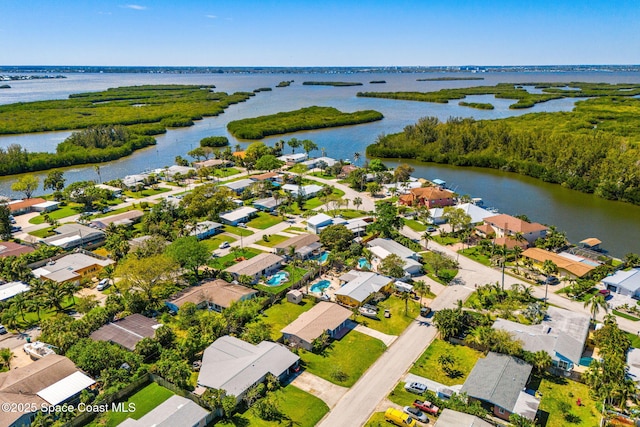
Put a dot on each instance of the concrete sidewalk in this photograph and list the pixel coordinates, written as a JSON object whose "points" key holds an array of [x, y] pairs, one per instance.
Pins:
{"points": [[386, 339]]}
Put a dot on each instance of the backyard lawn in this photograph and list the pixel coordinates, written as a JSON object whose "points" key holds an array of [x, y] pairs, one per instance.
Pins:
{"points": [[398, 321], [238, 231], [558, 406], [214, 243], [298, 408], [43, 232], [476, 255], [415, 225], [230, 259], [350, 213], [63, 212], [427, 365], [281, 314], [145, 400], [225, 172], [274, 239], [402, 397], [345, 360], [146, 193], [264, 220]]}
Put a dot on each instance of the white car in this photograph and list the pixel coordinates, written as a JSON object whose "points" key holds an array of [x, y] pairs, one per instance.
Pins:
{"points": [[103, 284], [416, 413], [224, 245]]}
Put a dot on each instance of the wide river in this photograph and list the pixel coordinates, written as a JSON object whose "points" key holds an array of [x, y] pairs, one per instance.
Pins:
{"points": [[579, 215]]}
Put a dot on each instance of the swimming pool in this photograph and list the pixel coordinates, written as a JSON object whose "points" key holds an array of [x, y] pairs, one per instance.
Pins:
{"points": [[322, 258], [364, 264], [320, 286], [278, 279]]}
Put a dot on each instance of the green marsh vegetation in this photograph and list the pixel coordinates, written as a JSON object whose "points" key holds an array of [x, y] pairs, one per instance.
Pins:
{"points": [[284, 83], [303, 119], [593, 149], [332, 83], [477, 105], [378, 81], [112, 123], [214, 141]]}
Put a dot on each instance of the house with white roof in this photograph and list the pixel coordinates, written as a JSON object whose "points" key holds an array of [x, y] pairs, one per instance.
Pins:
{"points": [[359, 286], [135, 180], [240, 185], [294, 158], [233, 366], [316, 223], [264, 264], [71, 267], [11, 289], [175, 411], [314, 163], [173, 170], [205, 229], [71, 235], [382, 248], [476, 213], [305, 191], [624, 282], [237, 216]]}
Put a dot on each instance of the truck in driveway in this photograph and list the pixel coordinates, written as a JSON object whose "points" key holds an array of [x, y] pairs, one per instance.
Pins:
{"points": [[426, 406]]}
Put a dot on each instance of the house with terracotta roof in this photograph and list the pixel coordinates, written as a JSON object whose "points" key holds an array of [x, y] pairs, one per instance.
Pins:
{"points": [[507, 225], [13, 249], [431, 197], [215, 294], [323, 317], [19, 207], [568, 265]]}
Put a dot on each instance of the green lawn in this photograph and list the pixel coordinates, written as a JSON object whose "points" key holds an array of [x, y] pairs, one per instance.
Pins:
{"points": [[298, 408], [64, 211], [625, 315], [116, 212], [314, 202], [415, 225], [214, 242], [401, 396], [145, 193], [281, 314], [350, 213], [635, 339], [556, 390], [476, 255], [43, 232], [230, 259], [445, 240], [427, 365], [31, 318], [145, 400], [295, 274], [299, 229], [238, 231], [225, 172], [274, 239], [398, 321], [344, 361], [264, 220], [377, 420], [323, 175]]}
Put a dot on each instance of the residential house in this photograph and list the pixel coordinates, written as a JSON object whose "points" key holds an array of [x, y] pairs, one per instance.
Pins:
{"points": [[240, 185], [568, 265], [346, 170], [205, 229], [211, 163], [268, 204], [431, 197], [11, 289], [175, 411], [14, 249], [315, 163], [72, 235], [507, 225], [562, 334], [359, 286], [304, 191], [264, 264], [19, 207], [316, 223], [624, 282], [136, 180], [500, 380], [476, 213], [323, 317], [125, 218], [170, 173], [53, 380], [115, 191], [237, 216], [451, 418], [303, 244], [267, 176], [294, 158], [591, 243], [71, 267], [46, 206], [128, 331], [233, 366], [633, 365], [401, 187], [382, 248], [485, 231], [215, 295]]}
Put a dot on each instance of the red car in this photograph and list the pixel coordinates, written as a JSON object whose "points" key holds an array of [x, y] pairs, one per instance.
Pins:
{"points": [[425, 406]]}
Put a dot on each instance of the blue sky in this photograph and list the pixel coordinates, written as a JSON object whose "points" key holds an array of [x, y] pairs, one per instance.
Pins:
{"points": [[318, 33]]}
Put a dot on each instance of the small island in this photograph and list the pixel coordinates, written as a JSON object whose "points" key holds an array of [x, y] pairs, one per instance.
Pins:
{"points": [[477, 105], [262, 89], [448, 79], [303, 119], [284, 83], [337, 84], [377, 82]]}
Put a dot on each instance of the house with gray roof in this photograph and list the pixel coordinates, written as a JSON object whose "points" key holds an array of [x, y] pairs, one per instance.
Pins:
{"points": [[237, 216], [128, 331], [316, 223], [175, 411], [303, 244], [204, 229], [69, 236], [304, 191], [451, 418], [562, 334], [240, 185], [624, 282], [268, 204], [264, 264], [233, 366], [500, 380], [360, 286]]}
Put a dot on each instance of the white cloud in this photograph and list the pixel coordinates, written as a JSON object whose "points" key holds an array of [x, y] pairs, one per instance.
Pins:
{"points": [[134, 7], [211, 16]]}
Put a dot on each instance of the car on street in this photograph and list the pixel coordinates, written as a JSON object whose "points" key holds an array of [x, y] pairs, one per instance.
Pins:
{"points": [[103, 284], [224, 245], [3, 330], [415, 387], [425, 311], [431, 229], [416, 413], [552, 280]]}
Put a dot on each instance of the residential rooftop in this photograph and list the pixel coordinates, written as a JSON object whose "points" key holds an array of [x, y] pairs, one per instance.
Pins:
{"points": [[217, 291], [322, 317], [255, 265], [127, 332]]}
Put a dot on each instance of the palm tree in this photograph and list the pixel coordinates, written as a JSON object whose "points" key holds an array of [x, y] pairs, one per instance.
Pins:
{"points": [[517, 251], [69, 289], [596, 303], [6, 355], [404, 296], [54, 296], [19, 302], [34, 303], [357, 202], [426, 236], [548, 268], [356, 157], [422, 288]]}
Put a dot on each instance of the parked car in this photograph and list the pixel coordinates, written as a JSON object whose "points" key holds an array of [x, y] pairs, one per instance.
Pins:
{"points": [[604, 292], [398, 418], [416, 413], [224, 245], [425, 311], [3, 330], [426, 406], [431, 229], [103, 284], [415, 387], [242, 225], [552, 280], [15, 228]]}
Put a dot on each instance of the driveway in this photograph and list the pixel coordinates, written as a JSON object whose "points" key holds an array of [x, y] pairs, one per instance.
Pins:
{"points": [[328, 392]]}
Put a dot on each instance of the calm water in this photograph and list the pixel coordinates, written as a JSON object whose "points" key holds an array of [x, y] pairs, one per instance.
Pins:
{"points": [[617, 224]]}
